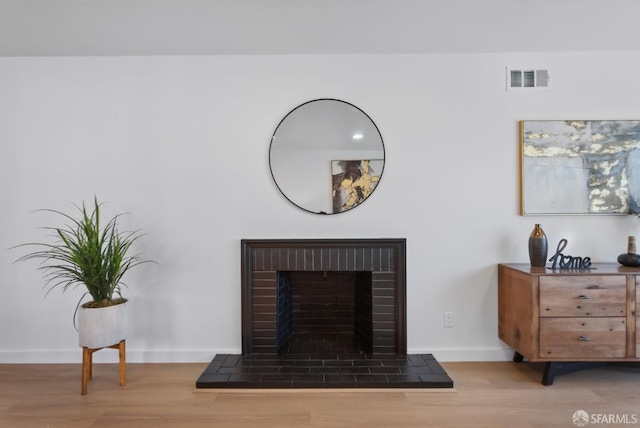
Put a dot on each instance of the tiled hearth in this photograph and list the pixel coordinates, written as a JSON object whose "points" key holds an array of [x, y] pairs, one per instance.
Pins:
{"points": [[324, 314], [346, 371]]}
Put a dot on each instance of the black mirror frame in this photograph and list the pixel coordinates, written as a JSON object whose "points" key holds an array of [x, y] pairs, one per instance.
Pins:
{"points": [[384, 154]]}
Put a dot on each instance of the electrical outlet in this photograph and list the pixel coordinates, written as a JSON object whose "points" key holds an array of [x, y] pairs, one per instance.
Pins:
{"points": [[448, 319]]}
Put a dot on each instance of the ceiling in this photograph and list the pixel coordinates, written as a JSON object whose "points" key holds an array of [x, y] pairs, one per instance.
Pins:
{"points": [[218, 27]]}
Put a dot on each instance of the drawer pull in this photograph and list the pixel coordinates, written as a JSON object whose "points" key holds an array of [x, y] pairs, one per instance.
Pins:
{"points": [[583, 297], [584, 339], [594, 287]]}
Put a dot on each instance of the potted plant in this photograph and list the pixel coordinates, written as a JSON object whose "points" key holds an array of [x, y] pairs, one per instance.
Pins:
{"points": [[88, 253]]}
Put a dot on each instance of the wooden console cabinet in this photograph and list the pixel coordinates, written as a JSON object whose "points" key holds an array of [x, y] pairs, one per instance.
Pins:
{"points": [[570, 318]]}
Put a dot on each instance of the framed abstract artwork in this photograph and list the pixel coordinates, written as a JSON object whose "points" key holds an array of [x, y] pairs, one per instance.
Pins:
{"points": [[580, 167], [353, 181]]}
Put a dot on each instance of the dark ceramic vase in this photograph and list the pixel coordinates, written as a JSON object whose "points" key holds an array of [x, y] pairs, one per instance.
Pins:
{"points": [[538, 247], [630, 258]]}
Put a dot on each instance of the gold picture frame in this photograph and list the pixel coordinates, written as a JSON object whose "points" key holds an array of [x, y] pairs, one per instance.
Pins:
{"points": [[579, 167]]}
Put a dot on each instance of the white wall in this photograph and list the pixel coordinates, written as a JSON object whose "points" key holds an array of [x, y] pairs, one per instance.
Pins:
{"points": [[182, 144]]}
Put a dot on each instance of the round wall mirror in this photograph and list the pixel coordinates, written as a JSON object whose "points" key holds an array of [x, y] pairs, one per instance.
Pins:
{"points": [[326, 156]]}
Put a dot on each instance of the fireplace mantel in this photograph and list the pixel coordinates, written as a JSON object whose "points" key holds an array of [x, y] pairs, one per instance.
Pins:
{"points": [[262, 259]]}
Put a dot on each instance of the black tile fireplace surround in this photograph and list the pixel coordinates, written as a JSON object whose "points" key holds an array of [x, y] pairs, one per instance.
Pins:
{"points": [[324, 313], [266, 265]]}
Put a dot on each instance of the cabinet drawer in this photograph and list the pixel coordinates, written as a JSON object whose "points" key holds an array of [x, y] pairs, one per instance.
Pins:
{"points": [[638, 337], [583, 337], [576, 296]]}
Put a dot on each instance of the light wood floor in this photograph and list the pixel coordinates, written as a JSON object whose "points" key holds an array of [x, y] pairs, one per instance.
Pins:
{"points": [[500, 394]]}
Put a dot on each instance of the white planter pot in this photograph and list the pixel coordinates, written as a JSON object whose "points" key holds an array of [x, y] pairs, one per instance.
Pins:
{"points": [[102, 327]]}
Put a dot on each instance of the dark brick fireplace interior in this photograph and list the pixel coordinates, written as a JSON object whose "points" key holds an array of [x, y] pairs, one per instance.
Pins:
{"points": [[323, 314]]}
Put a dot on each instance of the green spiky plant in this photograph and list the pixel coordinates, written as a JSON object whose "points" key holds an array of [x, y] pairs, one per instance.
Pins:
{"points": [[85, 253]]}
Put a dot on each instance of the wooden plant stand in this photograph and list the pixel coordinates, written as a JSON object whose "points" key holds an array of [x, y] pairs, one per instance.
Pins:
{"points": [[87, 364]]}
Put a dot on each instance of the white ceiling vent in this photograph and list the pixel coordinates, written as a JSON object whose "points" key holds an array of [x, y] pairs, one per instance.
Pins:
{"points": [[526, 79]]}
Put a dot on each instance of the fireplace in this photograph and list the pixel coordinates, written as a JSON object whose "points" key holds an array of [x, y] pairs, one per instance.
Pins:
{"points": [[324, 287], [335, 287]]}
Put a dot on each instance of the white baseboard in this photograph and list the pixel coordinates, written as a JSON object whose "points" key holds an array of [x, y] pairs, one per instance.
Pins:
{"points": [[465, 354], [73, 356], [111, 356]]}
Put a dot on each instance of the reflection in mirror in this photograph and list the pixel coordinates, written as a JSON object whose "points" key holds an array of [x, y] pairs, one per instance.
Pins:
{"points": [[326, 156]]}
